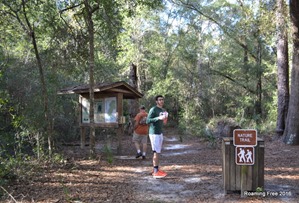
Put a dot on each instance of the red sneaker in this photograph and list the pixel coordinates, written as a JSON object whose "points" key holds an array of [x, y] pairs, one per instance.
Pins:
{"points": [[163, 172], [159, 174]]}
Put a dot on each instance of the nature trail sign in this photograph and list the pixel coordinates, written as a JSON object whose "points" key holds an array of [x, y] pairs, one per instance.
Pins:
{"points": [[245, 140], [245, 137]]}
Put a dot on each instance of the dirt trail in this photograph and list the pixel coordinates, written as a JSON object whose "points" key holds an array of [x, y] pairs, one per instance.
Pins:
{"points": [[193, 167]]}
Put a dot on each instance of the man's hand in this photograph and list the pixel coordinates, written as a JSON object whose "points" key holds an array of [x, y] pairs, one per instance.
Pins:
{"points": [[161, 117]]}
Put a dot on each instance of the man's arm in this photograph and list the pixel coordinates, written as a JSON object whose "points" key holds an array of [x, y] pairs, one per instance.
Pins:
{"points": [[152, 117]]}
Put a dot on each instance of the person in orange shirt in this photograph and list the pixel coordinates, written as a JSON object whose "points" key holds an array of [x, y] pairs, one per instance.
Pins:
{"points": [[140, 133]]}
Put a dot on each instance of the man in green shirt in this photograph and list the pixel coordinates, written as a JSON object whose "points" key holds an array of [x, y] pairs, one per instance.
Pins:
{"points": [[157, 117]]}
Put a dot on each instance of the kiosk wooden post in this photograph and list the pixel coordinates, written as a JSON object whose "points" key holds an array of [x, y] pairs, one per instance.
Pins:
{"points": [[82, 136], [120, 124]]}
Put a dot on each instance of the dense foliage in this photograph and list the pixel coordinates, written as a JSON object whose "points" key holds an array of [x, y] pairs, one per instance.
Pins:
{"points": [[212, 60]]}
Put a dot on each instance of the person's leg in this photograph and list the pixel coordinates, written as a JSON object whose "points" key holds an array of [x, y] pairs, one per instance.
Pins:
{"points": [[156, 162], [153, 140], [156, 142], [139, 154], [136, 140], [144, 146], [157, 173], [137, 145]]}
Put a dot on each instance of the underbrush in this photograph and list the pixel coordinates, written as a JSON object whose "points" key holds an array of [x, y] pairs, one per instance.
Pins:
{"points": [[23, 168], [15, 169], [218, 127]]}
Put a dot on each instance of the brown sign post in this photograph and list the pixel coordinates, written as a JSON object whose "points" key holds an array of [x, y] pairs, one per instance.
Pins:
{"points": [[243, 161], [244, 140]]}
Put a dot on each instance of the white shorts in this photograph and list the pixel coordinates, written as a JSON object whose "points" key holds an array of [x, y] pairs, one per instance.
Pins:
{"points": [[156, 142]]}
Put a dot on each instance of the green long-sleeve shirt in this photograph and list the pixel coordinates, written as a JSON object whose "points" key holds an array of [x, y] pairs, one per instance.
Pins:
{"points": [[156, 125]]}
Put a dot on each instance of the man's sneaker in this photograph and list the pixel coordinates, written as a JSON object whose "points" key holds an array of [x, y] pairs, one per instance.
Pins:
{"points": [[138, 155], [162, 171], [143, 157], [152, 173], [159, 174]]}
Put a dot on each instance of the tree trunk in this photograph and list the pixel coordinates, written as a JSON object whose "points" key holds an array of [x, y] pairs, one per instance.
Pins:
{"points": [[258, 102], [45, 95], [292, 128], [133, 109], [31, 34], [134, 83], [90, 28], [282, 68]]}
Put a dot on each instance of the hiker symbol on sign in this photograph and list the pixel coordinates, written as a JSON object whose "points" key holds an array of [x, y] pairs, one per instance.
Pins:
{"points": [[244, 155]]}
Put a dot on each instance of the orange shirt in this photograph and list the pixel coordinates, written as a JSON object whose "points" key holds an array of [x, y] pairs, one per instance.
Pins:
{"points": [[140, 129]]}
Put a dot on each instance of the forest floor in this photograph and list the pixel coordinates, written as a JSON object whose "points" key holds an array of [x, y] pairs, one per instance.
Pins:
{"points": [[194, 175]]}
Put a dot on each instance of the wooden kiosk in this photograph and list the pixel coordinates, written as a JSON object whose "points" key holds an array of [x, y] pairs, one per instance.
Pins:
{"points": [[108, 105]]}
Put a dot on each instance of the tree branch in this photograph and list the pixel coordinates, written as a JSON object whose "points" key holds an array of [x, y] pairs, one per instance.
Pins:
{"points": [[8, 194], [30, 31], [70, 8], [216, 72], [223, 28], [14, 13]]}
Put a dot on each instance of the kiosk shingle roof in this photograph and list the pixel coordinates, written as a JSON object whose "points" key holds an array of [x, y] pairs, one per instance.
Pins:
{"points": [[128, 91]]}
